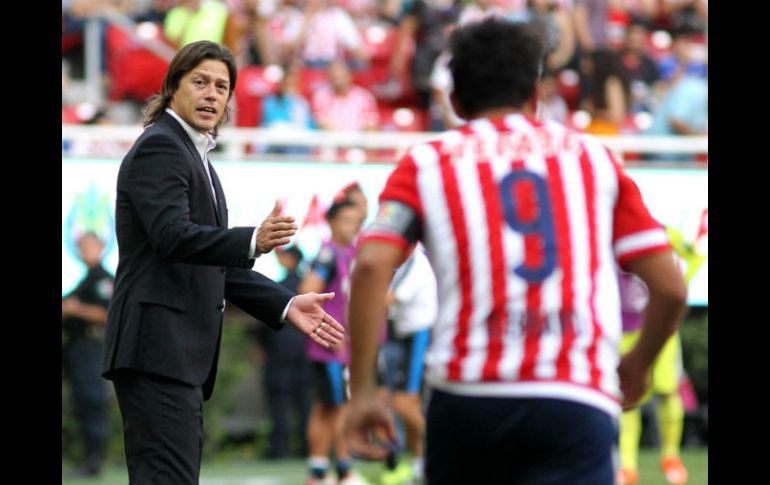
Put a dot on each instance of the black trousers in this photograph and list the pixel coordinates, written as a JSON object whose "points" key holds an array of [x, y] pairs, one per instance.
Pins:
{"points": [[82, 361], [288, 385], [162, 428], [517, 441]]}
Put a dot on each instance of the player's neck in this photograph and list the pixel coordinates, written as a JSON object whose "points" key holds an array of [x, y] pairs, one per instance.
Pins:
{"points": [[499, 112]]}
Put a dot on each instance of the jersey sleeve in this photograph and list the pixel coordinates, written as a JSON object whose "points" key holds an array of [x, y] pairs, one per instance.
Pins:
{"points": [[399, 218], [635, 232]]}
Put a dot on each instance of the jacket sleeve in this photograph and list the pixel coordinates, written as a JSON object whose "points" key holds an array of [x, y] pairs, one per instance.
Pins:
{"points": [[159, 188], [257, 295]]}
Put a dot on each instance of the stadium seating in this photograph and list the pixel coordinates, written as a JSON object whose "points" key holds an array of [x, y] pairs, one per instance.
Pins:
{"points": [[136, 72]]}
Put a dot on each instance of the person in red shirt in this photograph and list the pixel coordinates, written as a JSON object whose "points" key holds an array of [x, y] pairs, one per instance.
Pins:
{"points": [[524, 223], [344, 106]]}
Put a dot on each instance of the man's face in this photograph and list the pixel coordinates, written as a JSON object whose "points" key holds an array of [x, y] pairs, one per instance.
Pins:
{"points": [[683, 48], [635, 40], [359, 199], [201, 97], [339, 76], [346, 224], [90, 250]]}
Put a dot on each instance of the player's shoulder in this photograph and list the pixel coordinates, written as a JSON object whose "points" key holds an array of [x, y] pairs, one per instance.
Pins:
{"points": [[593, 146], [326, 254], [431, 147], [563, 130]]}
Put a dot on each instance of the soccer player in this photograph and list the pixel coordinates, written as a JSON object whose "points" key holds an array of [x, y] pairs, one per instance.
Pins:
{"points": [[330, 270], [523, 224], [667, 374]]}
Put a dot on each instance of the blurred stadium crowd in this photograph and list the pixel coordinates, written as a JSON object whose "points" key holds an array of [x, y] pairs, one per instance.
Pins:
{"points": [[613, 67]]}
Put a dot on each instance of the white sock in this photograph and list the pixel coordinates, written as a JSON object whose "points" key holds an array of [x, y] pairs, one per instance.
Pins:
{"points": [[418, 467], [319, 463]]}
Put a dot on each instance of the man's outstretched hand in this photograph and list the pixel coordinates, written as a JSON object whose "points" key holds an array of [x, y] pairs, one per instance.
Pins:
{"points": [[306, 314], [275, 230]]}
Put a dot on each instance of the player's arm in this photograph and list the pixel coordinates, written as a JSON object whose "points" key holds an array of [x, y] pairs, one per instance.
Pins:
{"points": [[375, 264], [668, 296], [383, 247], [642, 247], [320, 274], [73, 307]]}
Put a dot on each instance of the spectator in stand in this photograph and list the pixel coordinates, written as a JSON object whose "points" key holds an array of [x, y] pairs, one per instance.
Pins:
{"points": [[606, 92], [245, 31], [151, 10], [390, 11], [277, 20], [677, 12], [327, 33], [427, 24], [343, 106], [551, 106], [360, 11], [636, 9], [478, 10], [193, 20], [683, 111], [554, 19], [591, 17], [641, 69], [443, 116], [287, 110], [686, 56]]}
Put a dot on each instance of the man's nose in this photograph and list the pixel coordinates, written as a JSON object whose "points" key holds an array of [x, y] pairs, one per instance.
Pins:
{"points": [[212, 93]]}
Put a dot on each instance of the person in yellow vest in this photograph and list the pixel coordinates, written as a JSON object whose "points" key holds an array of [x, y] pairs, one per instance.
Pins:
{"points": [[667, 373]]}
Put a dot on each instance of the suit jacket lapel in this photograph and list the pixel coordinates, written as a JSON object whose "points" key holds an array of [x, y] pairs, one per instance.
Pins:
{"points": [[197, 162], [221, 204]]}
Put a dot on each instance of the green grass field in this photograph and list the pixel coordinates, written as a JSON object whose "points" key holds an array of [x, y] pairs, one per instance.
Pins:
{"points": [[292, 472]]}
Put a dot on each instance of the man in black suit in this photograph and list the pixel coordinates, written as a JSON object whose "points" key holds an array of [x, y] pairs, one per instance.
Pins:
{"points": [[178, 264]]}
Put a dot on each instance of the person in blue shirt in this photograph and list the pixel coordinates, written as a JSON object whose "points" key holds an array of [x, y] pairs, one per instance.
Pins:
{"points": [[287, 110]]}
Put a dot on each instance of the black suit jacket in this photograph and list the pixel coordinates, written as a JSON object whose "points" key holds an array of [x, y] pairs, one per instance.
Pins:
{"points": [[178, 261]]}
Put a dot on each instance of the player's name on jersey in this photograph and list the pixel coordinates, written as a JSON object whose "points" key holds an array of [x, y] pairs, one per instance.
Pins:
{"points": [[513, 146], [533, 323]]}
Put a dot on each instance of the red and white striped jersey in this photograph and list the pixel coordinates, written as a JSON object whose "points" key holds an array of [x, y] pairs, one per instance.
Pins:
{"points": [[523, 223], [354, 111], [329, 33]]}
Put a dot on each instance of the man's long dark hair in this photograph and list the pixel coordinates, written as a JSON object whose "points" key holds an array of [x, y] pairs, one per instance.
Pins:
{"points": [[183, 62], [495, 63]]}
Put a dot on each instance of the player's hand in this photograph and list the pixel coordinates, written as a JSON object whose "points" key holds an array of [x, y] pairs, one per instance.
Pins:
{"points": [[634, 380], [275, 230], [306, 314], [368, 428]]}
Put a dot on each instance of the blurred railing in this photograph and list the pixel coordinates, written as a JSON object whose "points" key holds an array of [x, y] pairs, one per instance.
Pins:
{"points": [[353, 147]]}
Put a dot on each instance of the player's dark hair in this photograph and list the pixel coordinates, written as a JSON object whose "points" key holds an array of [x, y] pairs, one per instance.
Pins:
{"points": [[495, 63], [336, 207]]}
